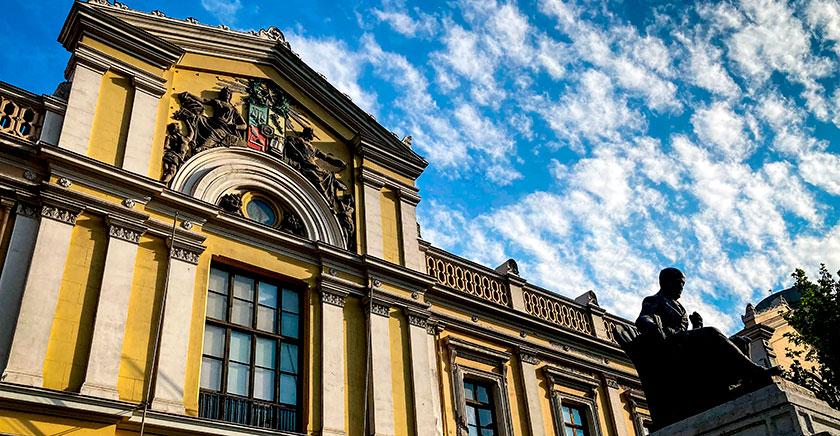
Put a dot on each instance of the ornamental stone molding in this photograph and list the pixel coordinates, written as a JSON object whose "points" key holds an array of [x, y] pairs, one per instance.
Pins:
{"points": [[380, 308], [125, 233], [185, 255], [59, 214], [529, 358], [611, 382], [332, 297], [418, 320], [26, 209]]}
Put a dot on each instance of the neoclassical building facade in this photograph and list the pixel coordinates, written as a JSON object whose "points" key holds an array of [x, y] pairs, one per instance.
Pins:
{"points": [[200, 235]]}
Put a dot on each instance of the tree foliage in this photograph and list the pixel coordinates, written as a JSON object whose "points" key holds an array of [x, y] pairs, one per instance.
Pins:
{"points": [[817, 325]]}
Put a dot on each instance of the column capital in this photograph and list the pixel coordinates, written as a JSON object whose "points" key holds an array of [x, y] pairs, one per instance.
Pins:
{"points": [[187, 252], [418, 320], [528, 356], [333, 296], [62, 214], [125, 230], [27, 209], [379, 307]]}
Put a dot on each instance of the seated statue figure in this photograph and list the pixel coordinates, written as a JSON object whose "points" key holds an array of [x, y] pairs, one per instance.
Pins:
{"points": [[685, 371]]}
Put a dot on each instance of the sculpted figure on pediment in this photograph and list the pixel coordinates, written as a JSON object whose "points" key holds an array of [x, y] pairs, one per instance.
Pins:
{"points": [[318, 167], [225, 127]]}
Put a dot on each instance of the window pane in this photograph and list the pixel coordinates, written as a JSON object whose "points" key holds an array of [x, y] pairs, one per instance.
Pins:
{"points": [[567, 418], [468, 391], [485, 417], [471, 415], [266, 319], [264, 384], [216, 305], [289, 323], [289, 358], [576, 416], [214, 341], [579, 432], [243, 287], [288, 389], [268, 295], [290, 301], [240, 347], [473, 431], [481, 394], [266, 349], [211, 373], [218, 281], [242, 312], [487, 432], [238, 379], [570, 431]]}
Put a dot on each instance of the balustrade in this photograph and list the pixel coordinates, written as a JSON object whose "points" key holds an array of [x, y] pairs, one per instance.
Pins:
{"points": [[20, 117], [468, 280]]}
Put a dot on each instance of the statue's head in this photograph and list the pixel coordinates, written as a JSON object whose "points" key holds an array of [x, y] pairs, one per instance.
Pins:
{"points": [[308, 134], [671, 282], [224, 94]]}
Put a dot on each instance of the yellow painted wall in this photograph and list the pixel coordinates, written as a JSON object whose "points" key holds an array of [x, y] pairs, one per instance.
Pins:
{"points": [[115, 53], [72, 329], [28, 424], [113, 114], [356, 365], [401, 374], [389, 203], [143, 308]]}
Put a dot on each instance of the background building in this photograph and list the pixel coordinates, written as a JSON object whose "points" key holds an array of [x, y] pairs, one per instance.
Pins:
{"points": [[199, 222]]}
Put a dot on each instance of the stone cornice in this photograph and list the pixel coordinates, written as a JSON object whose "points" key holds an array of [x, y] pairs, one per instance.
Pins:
{"points": [[87, 19]]}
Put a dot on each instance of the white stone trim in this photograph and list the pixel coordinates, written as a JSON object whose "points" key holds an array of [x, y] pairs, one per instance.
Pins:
{"points": [[175, 338], [616, 407], [373, 221], [412, 255], [213, 173], [531, 385], [13, 279], [424, 405], [382, 395], [38, 304], [333, 352], [433, 375], [81, 108], [111, 314], [141, 129]]}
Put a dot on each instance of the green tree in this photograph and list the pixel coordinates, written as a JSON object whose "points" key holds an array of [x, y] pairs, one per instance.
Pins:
{"points": [[817, 324]]}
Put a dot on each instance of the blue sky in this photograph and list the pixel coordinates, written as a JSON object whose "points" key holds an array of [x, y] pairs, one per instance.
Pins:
{"points": [[594, 142]]}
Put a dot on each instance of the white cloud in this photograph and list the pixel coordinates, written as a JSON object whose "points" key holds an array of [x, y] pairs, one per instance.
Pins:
{"points": [[822, 170], [719, 127], [224, 10], [402, 22], [706, 70]]}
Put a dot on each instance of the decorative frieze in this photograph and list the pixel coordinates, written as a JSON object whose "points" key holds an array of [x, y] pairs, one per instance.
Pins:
{"points": [[333, 298], [380, 308], [417, 320], [124, 233], [26, 209], [612, 383], [529, 358], [185, 255], [59, 214]]}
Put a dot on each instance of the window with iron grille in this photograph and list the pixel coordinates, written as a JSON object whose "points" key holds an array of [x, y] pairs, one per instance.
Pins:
{"points": [[251, 360]]}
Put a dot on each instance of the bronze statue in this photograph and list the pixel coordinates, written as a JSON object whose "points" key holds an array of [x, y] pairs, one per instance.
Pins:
{"points": [[176, 150], [231, 203], [685, 371], [307, 159]]}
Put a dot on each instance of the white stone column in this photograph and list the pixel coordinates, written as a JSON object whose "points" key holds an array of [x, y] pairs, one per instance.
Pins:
{"points": [[373, 219], [381, 395], [408, 218], [15, 267], [141, 129], [40, 296], [112, 310], [333, 352], [434, 377], [53, 119], [616, 407], [424, 412], [81, 107], [175, 332], [528, 365]]}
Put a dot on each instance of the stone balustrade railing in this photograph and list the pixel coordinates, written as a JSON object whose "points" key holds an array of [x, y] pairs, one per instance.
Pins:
{"points": [[482, 283], [461, 276], [21, 113]]}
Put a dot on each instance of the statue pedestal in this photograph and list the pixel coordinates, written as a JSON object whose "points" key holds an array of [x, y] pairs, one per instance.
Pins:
{"points": [[782, 408]]}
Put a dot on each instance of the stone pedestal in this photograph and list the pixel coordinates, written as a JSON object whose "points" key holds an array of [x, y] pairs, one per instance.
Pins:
{"points": [[782, 408]]}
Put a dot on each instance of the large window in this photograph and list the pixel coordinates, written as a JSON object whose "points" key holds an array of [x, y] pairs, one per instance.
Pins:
{"points": [[574, 421], [251, 360], [479, 409]]}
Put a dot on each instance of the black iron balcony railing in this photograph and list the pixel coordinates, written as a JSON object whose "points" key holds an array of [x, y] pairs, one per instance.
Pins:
{"points": [[238, 410]]}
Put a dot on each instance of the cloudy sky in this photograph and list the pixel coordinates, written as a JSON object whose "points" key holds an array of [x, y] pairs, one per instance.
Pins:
{"points": [[593, 142]]}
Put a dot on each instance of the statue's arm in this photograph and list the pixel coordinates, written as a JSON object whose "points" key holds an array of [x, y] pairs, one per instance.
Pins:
{"points": [[648, 323]]}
